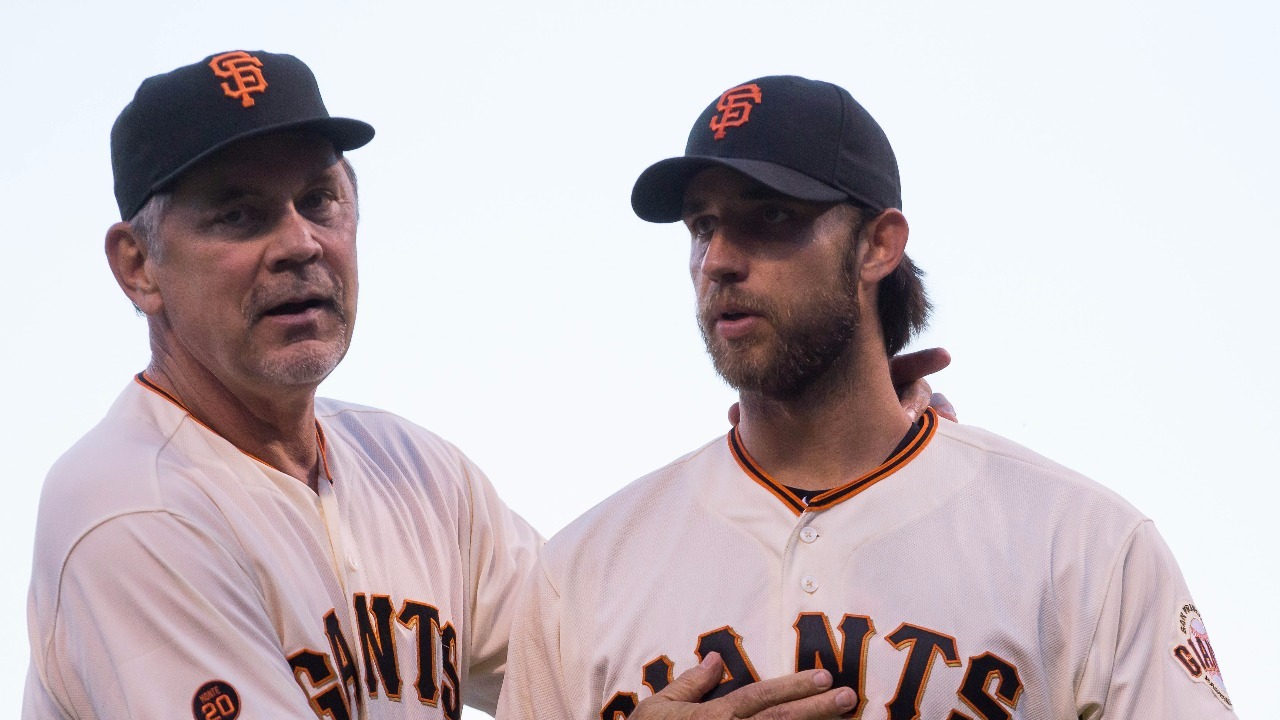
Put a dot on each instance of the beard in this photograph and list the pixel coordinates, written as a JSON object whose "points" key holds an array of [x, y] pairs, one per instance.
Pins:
{"points": [[808, 338]]}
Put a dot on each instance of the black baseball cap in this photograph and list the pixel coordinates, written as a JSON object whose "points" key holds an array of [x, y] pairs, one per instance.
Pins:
{"points": [[181, 117], [806, 139]]}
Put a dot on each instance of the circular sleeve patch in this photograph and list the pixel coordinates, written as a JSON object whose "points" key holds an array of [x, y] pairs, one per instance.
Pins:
{"points": [[215, 700]]}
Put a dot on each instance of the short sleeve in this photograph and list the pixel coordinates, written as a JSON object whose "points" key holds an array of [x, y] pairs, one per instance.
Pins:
{"points": [[1150, 656], [155, 618], [536, 686], [503, 550]]}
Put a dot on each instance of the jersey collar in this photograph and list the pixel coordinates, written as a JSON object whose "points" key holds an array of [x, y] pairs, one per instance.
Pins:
{"points": [[905, 453], [323, 446]]}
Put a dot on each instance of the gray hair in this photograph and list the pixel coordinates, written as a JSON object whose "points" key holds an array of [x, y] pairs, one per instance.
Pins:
{"points": [[146, 222]]}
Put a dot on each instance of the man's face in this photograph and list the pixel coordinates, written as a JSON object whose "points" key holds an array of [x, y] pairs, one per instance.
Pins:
{"points": [[257, 272], [775, 281]]}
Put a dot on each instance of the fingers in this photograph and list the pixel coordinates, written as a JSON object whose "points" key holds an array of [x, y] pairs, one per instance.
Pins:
{"points": [[915, 398], [943, 406], [695, 682], [827, 706], [906, 369], [803, 696]]}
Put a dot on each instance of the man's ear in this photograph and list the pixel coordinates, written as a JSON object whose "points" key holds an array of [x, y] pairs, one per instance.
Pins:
{"points": [[134, 270], [884, 242]]}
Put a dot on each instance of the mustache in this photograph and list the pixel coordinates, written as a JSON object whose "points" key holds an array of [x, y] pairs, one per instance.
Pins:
{"points": [[313, 286], [713, 304]]}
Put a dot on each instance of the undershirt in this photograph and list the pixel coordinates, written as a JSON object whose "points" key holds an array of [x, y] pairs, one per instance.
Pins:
{"points": [[806, 495]]}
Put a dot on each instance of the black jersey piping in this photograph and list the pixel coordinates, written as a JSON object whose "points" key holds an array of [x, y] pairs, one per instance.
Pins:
{"points": [[911, 446]]}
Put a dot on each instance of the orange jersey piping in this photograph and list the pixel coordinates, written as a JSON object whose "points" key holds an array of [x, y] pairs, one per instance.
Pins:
{"points": [[827, 498], [142, 379]]}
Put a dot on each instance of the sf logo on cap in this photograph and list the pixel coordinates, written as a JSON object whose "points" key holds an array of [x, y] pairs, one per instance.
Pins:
{"points": [[735, 107], [244, 71]]}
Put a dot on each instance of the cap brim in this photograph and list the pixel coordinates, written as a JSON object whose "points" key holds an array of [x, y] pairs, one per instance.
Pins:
{"points": [[658, 195], [344, 133]]}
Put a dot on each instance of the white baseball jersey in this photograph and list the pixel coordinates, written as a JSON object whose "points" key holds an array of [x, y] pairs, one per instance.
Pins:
{"points": [[965, 578], [176, 576]]}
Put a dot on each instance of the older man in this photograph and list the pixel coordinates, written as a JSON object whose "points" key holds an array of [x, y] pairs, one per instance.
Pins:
{"points": [[935, 570], [223, 544]]}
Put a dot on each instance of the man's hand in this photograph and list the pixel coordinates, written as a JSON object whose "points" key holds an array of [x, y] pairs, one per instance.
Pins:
{"points": [[908, 373], [805, 695]]}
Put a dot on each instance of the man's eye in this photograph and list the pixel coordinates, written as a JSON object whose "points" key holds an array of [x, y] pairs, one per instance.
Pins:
{"points": [[775, 215], [314, 200], [703, 226], [233, 217]]}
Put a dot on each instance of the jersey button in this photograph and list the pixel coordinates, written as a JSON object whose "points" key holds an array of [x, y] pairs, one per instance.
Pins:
{"points": [[351, 562], [808, 535], [809, 583]]}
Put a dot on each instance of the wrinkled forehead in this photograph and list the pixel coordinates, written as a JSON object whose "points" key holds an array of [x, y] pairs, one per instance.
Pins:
{"points": [[277, 161]]}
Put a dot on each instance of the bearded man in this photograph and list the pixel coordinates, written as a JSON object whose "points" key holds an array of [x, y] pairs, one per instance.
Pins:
{"points": [[224, 544], [919, 568]]}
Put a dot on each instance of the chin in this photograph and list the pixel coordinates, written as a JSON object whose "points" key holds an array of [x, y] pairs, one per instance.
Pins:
{"points": [[302, 367], [770, 371], [744, 371]]}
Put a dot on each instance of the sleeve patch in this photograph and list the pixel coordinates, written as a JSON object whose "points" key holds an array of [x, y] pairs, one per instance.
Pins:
{"points": [[215, 700], [1193, 653]]}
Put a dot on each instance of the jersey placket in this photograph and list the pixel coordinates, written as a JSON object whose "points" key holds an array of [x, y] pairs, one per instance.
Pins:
{"points": [[805, 567], [342, 547], [802, 584], [340, 544]]}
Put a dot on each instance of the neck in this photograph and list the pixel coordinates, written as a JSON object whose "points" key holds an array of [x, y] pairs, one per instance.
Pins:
{"points": [[839, 428], [278, 429]]}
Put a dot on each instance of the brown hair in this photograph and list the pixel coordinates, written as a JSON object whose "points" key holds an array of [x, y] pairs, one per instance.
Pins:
{"points": [[901, 301], [903, 305]]}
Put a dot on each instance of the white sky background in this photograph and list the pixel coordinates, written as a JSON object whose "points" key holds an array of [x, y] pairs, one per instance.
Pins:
{"points": [[1091, 187]]}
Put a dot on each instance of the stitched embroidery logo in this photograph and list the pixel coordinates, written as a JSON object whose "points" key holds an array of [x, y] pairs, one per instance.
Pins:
{"points": [[1194, 653], [244, 73], [735, 108], [215, 700]]}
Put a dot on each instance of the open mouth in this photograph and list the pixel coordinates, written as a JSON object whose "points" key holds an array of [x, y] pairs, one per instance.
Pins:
{"points": [[298, 307], [732, 315]]}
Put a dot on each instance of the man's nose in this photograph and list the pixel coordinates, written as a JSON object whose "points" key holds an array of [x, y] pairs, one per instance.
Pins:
{"points": [[294, 242], [723, 259]]}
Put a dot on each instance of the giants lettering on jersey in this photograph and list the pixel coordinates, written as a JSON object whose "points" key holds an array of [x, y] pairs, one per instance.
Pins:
{"points": [[1195, 654], [333, 679], [989, 690]]}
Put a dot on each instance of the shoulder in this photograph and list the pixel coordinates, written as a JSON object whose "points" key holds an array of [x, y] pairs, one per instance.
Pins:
{"points": [[990, 476], [997, 459], [140, 464], [621, 518], [384, 448], [370, 427], [114, 468], [389, 440]]}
